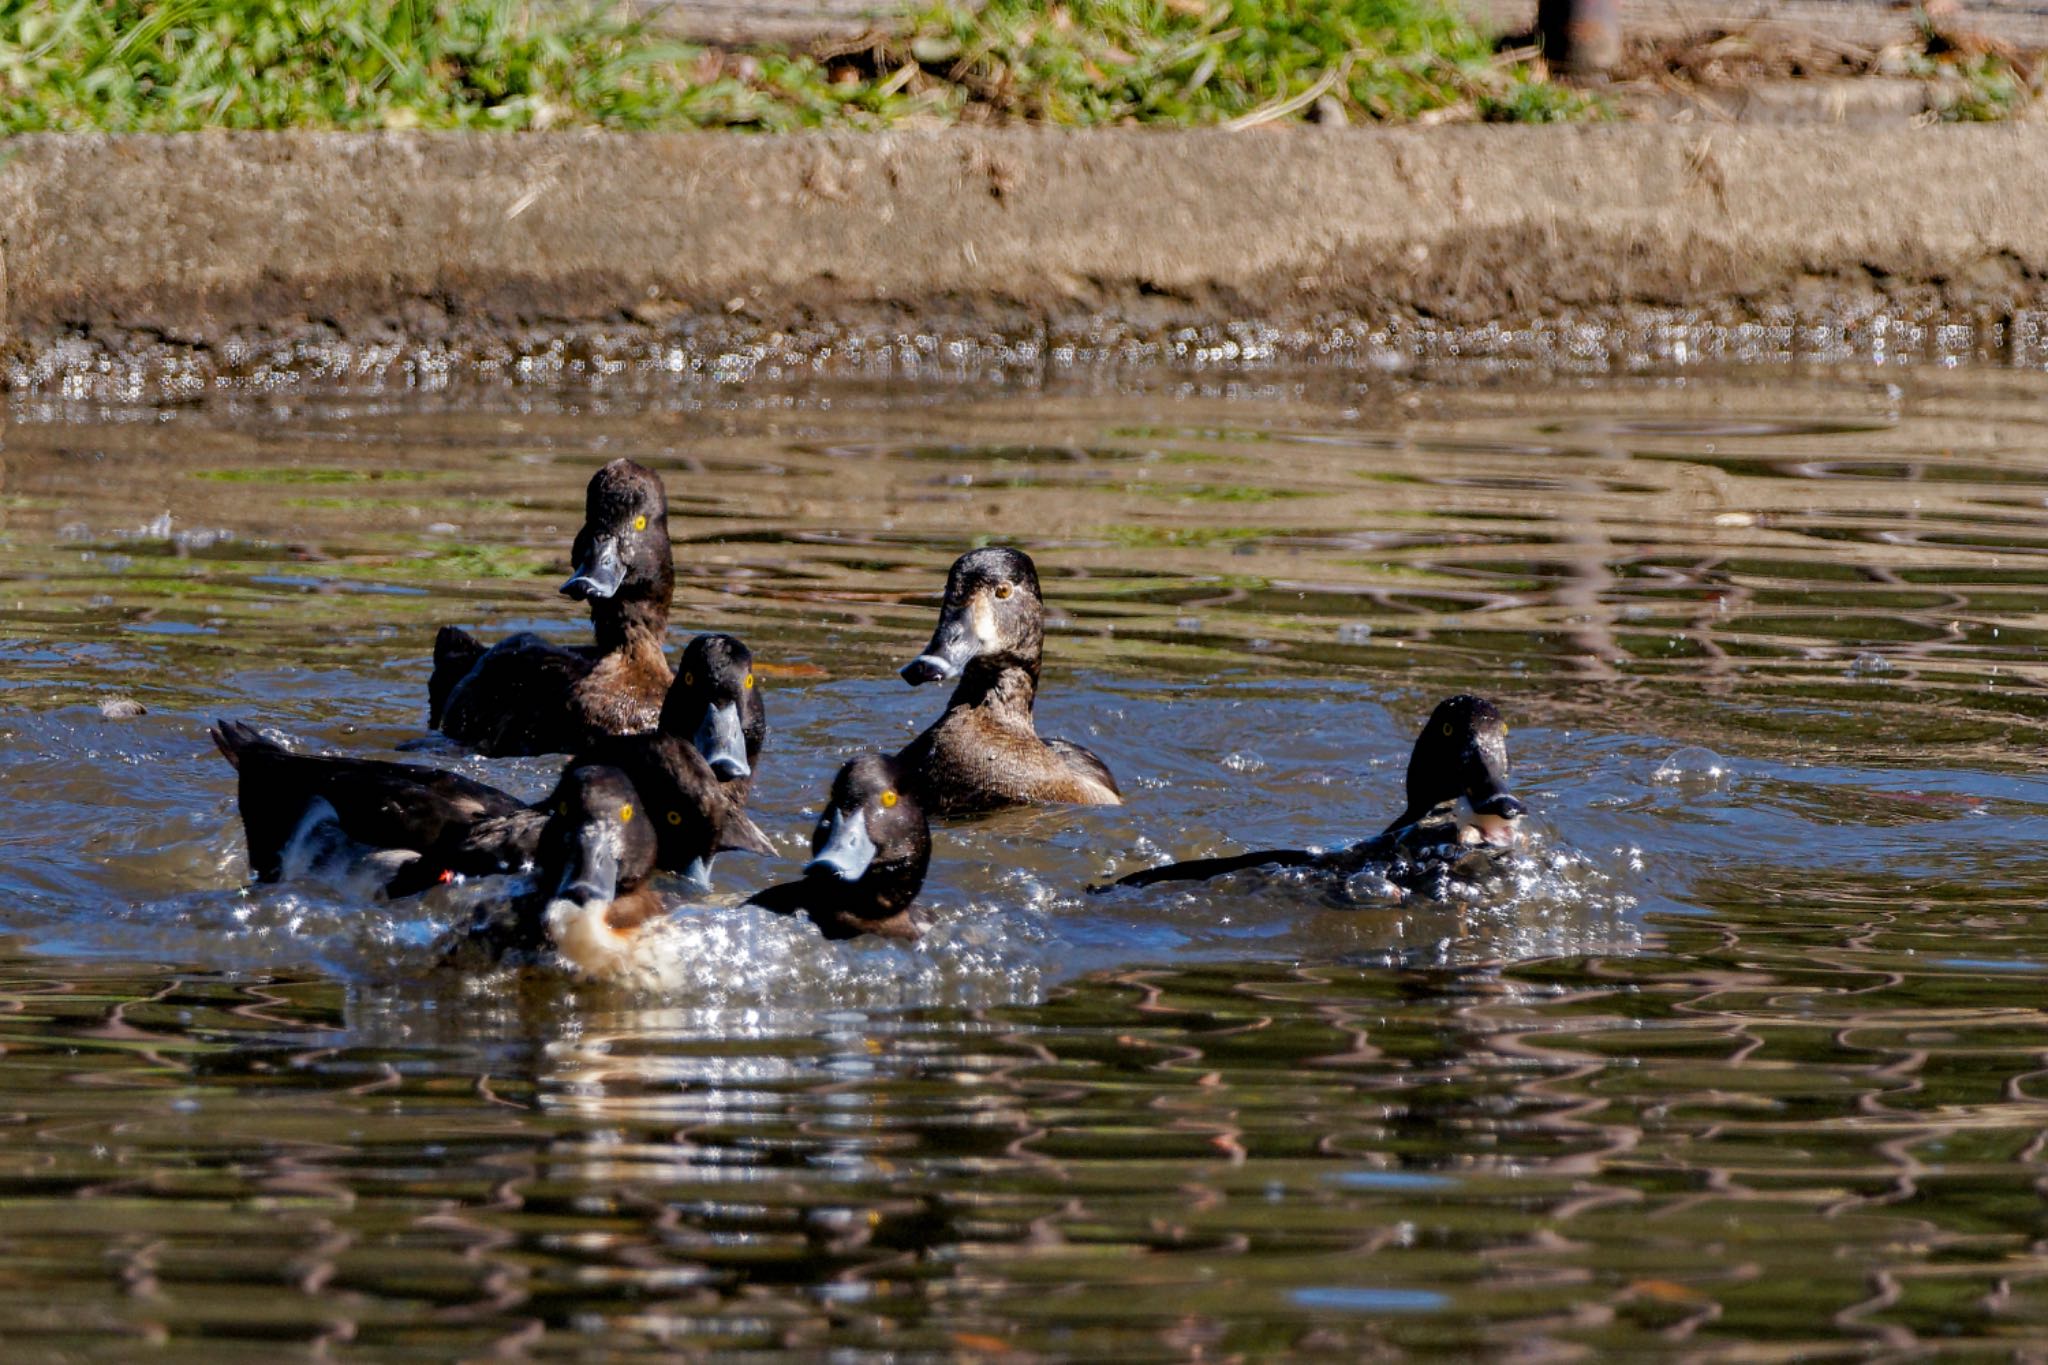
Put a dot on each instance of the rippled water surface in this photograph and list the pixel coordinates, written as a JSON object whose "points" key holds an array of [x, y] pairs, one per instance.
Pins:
{"points": [[1743, 1057]]}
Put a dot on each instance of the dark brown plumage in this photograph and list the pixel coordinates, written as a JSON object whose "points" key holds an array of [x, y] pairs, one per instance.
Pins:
{"points": [[1462, 751], [390, 805], [527, 695], [715, 703], [460, 826], [591, 894], [869, 854]]}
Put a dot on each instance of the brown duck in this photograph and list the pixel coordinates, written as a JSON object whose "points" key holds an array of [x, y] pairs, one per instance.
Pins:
{"points": [[985, 753]]}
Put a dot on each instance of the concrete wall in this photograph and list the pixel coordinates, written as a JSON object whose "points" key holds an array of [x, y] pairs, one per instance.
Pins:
{"points": [[195, 240]]}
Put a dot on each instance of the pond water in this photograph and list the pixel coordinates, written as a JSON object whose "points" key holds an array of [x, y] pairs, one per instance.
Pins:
{"points": [[1744, 1057]]}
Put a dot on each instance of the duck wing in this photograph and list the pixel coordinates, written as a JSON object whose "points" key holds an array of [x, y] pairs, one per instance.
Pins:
{"points": [[1086, 765], [488, 847], [381, 804]]}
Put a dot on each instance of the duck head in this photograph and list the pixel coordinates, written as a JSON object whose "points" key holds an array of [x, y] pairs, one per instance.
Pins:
{"points": [[1463, 751], [715, 705], [992, 617], [870, 849], [621, 558], [596, 855], [694, 816]]}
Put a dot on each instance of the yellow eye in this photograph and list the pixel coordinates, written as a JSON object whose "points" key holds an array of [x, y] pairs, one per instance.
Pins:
{"points": [[1448, 728], [888, 799], [562, 809], [640, 523], [689, 679], [748, 682], [1002, 589], [626, 812], [675, 817]]}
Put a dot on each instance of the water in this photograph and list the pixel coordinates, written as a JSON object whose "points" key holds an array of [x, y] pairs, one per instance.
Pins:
{"points": [[1743, 1058]]}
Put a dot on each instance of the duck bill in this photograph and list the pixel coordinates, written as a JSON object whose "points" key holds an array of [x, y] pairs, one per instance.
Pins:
{"points": [[599, 570], [698, 873], [1496, 812], [954, 645], [723, 742], [847, 851], [592, 877]]}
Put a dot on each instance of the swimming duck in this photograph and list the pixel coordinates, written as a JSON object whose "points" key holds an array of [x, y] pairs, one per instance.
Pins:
{"points": [[456, 825], [1462, 751], [591, 894], [715, 705], [984, 753], [868, 857], [284, 797], [525, 695]]}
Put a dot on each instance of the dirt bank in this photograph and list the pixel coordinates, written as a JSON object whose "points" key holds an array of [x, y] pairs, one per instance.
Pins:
{"points": [[206, 246]]}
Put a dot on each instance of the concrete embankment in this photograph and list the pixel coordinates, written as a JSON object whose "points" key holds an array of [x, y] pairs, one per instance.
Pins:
{"points": [[200, 242]]}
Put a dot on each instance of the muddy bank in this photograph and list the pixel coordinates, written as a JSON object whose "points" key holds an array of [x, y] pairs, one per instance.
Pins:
{"points": [[201, 252]]}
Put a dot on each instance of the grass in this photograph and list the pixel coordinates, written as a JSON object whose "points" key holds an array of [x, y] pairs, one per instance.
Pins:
{"points": [[189, 65], [1238, 62], [186, 65], [1969, 77]]}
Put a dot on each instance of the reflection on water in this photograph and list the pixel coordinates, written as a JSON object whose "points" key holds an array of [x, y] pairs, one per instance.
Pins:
{"points": [[1743, 1055]]}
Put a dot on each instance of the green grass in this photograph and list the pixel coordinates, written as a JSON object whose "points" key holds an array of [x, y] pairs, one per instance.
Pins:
{"points": [[187, 65], [184, 65], [1984, 89], [1230, 61]]}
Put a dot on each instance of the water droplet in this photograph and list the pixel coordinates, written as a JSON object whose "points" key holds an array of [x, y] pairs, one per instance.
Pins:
{"points": [[1692, 766]]}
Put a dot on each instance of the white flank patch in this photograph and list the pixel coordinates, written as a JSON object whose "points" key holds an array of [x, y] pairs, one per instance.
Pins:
{"points": [[590, 946]]}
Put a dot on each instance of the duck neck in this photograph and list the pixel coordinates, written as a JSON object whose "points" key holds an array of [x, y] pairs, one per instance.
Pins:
{"points": [[753, 723], [623, 623], [888, 889], [1009, 685]]}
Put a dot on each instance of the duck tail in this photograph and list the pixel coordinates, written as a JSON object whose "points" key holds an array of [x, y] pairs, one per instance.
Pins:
{"points": [[236, 740], [455, 654], [270, 810]]}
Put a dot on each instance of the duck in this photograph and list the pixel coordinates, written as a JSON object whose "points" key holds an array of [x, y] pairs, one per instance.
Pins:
{"points": [[451, 825], [592, 892], [527, 695], [869, 854], [716, 704], [984, 753], [1461, 752]]}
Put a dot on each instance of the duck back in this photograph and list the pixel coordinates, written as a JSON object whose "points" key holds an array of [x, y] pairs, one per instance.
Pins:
{"points": [[526, 695], [382, 805]]}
